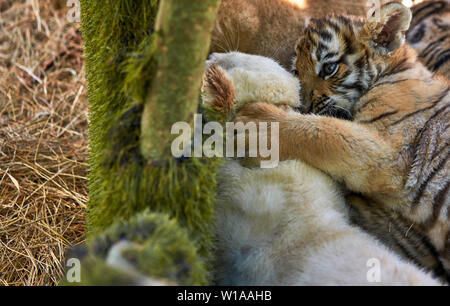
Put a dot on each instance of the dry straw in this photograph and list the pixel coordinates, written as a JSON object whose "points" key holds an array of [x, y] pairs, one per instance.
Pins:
{"points": [[43, 141]]}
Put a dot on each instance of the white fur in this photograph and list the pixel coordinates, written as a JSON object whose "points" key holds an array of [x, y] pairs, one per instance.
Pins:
{"points": [[247, 72], [289, 225]]}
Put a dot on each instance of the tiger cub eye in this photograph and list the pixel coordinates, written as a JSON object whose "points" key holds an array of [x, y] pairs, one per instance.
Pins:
{"points": [[330, 69]]}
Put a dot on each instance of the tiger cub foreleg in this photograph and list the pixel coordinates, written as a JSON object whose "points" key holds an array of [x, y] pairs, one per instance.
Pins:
{"points": [[347, 151]]}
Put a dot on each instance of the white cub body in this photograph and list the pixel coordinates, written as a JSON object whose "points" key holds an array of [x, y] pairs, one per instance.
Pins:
{"points": [[289, 225]]}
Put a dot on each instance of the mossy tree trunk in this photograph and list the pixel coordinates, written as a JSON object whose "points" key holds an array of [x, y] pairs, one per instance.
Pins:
{"points": [[182, 43], [132, 68]]}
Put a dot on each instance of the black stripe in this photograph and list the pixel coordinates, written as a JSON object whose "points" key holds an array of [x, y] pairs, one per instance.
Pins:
{"points": [[343, 20], [394, 236], [420, 133], [431, 46], [403, 68], [358, 86], [365, 104], [425, 184], [432, 56], [443, 53], [441, 62], [440, 24], [436, 152], [326, 35], [321, 104], [415, 237], [399, 67], [396, 224], [417, 18], [346, 75], [331, 54], [361, 62], [382, 116], [412, 114], [434, 103], [439, 111], [336, 28], [349, 48], [320, 107], [438, 6], [407, 254], [418, 138], [438, 201], [321, 48], [392, 83]]}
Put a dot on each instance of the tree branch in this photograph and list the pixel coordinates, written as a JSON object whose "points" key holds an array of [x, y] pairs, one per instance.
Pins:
{"points": [[183, 37]]}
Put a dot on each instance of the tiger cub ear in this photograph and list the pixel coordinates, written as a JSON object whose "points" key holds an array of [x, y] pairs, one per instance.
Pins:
{"points": [[387, 29], [218, 91]]}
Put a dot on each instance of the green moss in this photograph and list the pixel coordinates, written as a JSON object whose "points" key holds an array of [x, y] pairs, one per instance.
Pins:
{"points": [[158, 249], [114, 31], [182, 44], [185, 190], [95, 272], [120, 55]]}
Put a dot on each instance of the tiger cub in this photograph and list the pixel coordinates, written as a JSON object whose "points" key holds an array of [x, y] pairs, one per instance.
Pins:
{"points": [[384, 130], [429, 35], [287, 225]]}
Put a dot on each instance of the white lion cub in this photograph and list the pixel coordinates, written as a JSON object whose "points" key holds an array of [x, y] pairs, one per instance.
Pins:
{"points": [[287, 225]]}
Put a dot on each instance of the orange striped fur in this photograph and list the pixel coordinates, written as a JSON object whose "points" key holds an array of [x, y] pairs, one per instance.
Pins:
{"points": [[380, 126], [429, 35]]}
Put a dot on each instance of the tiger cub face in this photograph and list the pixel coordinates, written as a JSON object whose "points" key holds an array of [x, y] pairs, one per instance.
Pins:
{"points": [[429, 35], [340, 57]]}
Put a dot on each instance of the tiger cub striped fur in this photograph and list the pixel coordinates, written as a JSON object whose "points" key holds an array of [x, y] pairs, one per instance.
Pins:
{"points": [[384, 130], [429, 34]]}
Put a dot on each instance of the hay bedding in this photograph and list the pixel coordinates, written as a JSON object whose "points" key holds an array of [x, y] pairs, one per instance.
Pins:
{"points": [[43, 141]]}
